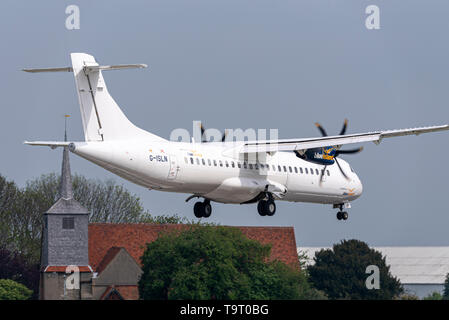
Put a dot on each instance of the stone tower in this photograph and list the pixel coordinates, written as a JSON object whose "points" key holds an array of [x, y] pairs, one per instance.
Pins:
{"points": [[65, 245]]}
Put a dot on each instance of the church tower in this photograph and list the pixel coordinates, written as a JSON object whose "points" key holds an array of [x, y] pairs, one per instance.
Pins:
{"points": [[65, 270]]}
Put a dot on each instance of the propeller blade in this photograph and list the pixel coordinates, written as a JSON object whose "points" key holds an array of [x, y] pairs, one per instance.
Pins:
{"points": [[322, 174], [350, 151], [323, 132], [203, 137], [223, 137], [345, 125], [341, 169]]}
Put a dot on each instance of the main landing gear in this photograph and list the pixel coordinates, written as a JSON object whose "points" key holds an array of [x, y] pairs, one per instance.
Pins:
{"points": [[267, 207], [341, 215], [202, 209]]}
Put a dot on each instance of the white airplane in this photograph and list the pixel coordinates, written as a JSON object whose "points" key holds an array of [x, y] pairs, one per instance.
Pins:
{"points": [[260, 171]]}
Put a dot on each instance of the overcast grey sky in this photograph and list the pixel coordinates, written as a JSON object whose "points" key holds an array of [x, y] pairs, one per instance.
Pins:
{"points": [[249, 64]]}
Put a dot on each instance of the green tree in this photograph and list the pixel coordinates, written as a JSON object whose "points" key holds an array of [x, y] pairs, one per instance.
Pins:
{"points": [[215, 262], [446, 288], [8, 194], [340, 272], [434, 296], [11, 290], [13, 266]]}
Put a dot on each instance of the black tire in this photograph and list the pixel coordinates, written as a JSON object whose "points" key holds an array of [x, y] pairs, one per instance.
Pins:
{"points": [[198, 209], [207, 210], [270, 208], [339, 215], [261, 208], [345, 215]]}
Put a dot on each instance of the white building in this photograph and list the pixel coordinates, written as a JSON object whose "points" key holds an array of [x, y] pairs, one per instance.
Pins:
{"points": [[421, 270]]}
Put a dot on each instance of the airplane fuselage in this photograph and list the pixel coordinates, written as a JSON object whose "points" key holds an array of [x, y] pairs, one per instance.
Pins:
{"points": [[202, 169]]}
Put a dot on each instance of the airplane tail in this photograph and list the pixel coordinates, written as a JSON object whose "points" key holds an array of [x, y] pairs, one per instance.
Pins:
{"points": [[102, 118]]}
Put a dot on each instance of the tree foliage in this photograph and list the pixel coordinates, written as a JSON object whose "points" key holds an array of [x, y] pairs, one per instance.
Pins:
{"points": [[14, 266], [434, 296], [446, 288], [11, 290], [213, 262], [340, 272]]}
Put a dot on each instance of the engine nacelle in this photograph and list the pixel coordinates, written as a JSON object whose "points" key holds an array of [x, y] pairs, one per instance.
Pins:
{"points": [[323, 156]]}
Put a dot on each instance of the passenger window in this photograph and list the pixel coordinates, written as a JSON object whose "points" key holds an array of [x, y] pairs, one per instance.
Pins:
{"points": [[328, 172], [307, 171], [300, 170], [191, 160], [221, 163], [197, 161], [317, 172], [239, 165], [274, 167], [215, 163], [185, 159], [208, 162], [256, 166], [227, 164], [279, 168], [232, 164], [251, 166], [285, 169], [290, 169], [244, 165], [311, 171], [203, 161], [296, 170]]}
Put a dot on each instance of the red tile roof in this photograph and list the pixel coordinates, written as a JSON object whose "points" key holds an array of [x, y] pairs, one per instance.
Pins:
{"points": [[128, 292], [64, 268], [133, 237], [121, 292]]}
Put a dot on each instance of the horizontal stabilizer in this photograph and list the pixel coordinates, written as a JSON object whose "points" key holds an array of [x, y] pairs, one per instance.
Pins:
{"points": [[89, 69], [116, 67], [51, 144], [65, 69]]}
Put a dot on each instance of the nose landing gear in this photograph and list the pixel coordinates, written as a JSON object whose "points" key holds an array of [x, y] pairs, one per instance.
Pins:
{"points": [[342, 215]]}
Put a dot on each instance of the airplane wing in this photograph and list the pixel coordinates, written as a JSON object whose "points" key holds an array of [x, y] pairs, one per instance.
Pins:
{"points": [[51, 144], [308, 143]]}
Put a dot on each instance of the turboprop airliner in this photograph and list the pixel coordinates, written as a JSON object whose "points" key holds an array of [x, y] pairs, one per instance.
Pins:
{"points": [[239, 172]]}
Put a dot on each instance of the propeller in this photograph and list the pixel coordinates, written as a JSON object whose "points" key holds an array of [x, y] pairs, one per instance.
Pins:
{"points": [[338, 151], [203, 137]]}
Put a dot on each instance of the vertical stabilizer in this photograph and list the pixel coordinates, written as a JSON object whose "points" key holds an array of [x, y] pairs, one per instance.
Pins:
{"points": [[102, 118]]}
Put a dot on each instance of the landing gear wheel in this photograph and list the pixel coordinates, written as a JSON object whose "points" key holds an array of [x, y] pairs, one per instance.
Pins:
{"points": [[342, 215], [339, 215], [261, 208], [198, 209], [202, 209], [207, 209], [266, 207], [270, 208]]}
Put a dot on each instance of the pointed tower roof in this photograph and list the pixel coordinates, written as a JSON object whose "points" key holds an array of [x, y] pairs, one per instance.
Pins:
{"points": [[66, 204]]}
